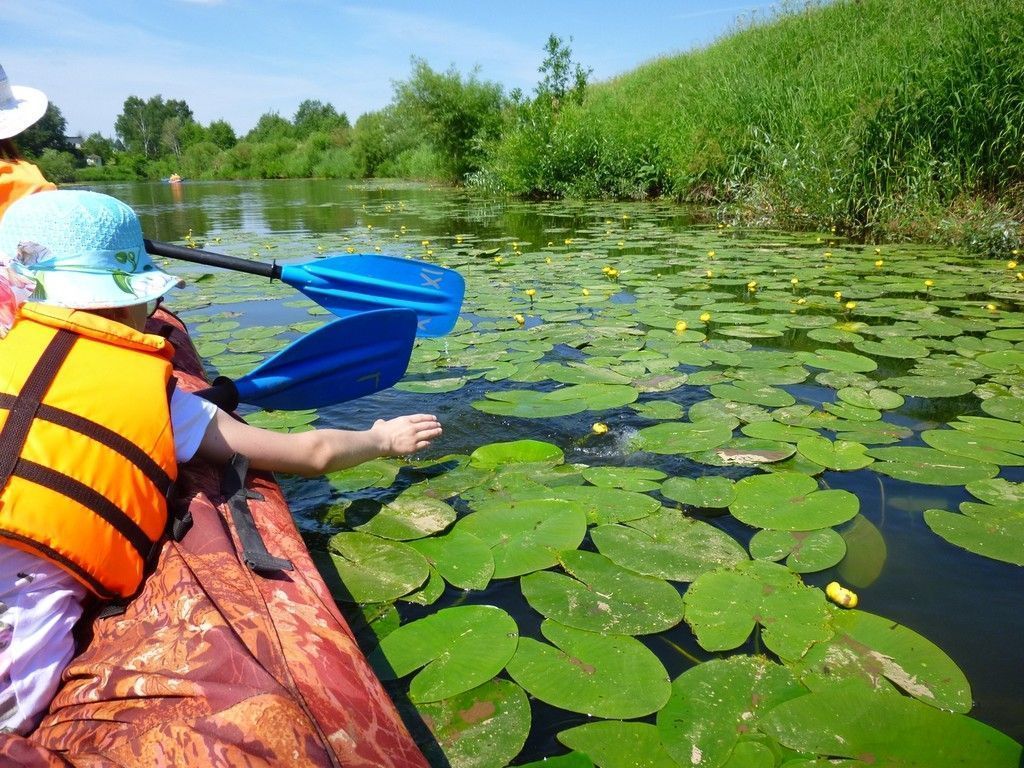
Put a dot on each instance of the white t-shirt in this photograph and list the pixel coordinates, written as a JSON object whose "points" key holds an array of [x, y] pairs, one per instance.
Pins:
{"points": [[40, 603]]}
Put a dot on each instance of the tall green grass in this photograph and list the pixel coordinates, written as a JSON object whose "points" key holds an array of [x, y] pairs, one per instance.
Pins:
{"points": [[882, 117]]}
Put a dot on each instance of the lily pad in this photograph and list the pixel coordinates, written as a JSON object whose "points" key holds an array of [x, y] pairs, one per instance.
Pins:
{"points": [[839, 455], [875, 649], [407, 517], [600, 596], [723, 607], [637, 479], [929, 466], [482, 728], [853, 721], [526, 536], [610, 676], [804, 551], [668, 545], [787, 501], [683, 437], [708, 492], [494, 455], [837, 360], [999, 535], [375, 570], [717, 706], [1007, 453], [458, 648], [617, 744], [460, 557], [753, 393]]}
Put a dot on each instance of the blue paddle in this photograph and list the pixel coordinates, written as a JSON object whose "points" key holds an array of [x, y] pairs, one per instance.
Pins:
{"points": [[343, 360], [349, 284]]}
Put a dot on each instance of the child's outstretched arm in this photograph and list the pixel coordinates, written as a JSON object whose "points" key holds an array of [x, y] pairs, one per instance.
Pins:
{"points": [[318, 451]]}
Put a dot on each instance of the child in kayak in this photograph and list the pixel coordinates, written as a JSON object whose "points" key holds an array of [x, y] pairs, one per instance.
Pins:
{"points": [[20, 108], [92, 431]]}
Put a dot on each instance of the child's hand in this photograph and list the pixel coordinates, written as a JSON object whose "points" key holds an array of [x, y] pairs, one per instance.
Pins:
{"points": [[406, 434]]}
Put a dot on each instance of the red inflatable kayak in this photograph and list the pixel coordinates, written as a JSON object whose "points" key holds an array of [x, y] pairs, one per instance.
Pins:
{"points": [[214, 664]]}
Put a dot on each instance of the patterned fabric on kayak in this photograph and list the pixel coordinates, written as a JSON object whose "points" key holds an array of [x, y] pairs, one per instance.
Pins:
{"points": [[213, 665]]}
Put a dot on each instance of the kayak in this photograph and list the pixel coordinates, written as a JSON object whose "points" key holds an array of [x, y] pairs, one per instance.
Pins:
{"points": [[215, 663]]}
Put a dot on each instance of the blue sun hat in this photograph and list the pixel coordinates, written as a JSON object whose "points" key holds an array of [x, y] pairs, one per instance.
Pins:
{"points": [[84, 250]]}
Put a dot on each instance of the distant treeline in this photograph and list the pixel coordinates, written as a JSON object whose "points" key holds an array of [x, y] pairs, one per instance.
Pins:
{"points": [[882, 118]]}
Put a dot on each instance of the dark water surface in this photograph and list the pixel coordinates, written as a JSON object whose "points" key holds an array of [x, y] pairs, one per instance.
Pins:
{"points": [[970, 606]]}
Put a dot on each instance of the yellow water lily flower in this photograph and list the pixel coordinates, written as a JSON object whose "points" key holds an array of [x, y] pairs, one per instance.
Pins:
{"points": [[350, 249], [622, 243], [711, 254], [547, 260], [840, 595], [498, 259], [531, 292], [879, 262], [705, 317], [838, 295], [458, 238], [850, 305], [1011, 264], [1020, 275], [991, 307], [828, 254], [606, 269], [519, 319], [709, 273], [929, 283], [424, 243], [752, 285], [680, 326], [801, 301], [599, 428], [586, 292], [568, 241], [794, 281], [430, 251]]}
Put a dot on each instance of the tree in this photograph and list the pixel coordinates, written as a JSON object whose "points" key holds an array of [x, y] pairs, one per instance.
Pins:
{"points": [[170, 135], [141, 123], [270, 127], [456, 115], [101, 146], [222, 134], [314, 116], [562, 77], [47, 133]]}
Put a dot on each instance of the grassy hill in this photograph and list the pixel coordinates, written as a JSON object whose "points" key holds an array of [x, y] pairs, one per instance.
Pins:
{"points": [[882, 117]]}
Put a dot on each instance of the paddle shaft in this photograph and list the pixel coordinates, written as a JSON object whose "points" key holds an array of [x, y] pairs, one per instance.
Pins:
{"points": [[210, 259]]}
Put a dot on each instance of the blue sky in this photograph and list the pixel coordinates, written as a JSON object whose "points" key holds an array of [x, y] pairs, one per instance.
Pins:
{"points": [[237, 59]]}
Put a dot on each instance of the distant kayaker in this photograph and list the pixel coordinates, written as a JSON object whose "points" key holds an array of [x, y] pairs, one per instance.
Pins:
{"points": [[174, 179], [20, 108], [92, 431]]}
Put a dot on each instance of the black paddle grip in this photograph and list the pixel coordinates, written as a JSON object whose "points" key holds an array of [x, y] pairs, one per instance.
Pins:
{"points": [[210, 259], [223, 394]]}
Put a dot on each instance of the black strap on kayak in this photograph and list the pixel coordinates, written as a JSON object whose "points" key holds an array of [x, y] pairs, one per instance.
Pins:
{"points": [[254, 551]]}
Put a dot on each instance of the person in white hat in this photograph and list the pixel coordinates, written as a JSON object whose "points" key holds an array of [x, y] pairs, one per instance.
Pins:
{"points": [[20, 108], [91, 434]]}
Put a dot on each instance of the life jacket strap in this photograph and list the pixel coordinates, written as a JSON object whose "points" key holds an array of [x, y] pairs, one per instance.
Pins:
{"points": [[254, 551]]}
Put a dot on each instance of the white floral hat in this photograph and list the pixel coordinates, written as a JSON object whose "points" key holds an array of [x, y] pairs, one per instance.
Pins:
{"points": [[84, 250], [20, 107]]}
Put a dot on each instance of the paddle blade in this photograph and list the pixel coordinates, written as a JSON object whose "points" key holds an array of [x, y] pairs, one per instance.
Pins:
{"points": [[346, 359], [349, 284]]}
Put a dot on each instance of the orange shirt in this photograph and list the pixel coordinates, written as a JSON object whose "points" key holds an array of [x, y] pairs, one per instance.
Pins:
{"points": [[19, 178]]}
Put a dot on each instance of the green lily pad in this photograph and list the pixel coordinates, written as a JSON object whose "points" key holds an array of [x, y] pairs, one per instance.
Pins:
{"points": [[659, 409], [708, 492], [774, 430], [874, 649], [604, 505], [837, 360], [716, 706], [459, 648], [877, 398], [496, 455], [998, 492], [407, 517], [668, 545], [929, 386], [804, 551], [375, 570], [376, 473], [600, 596], [723, 607], [929, 466], [528, 535], [788, 501], [728, 411], [853, 721], [611, 676], [460, 557], [839, 455], [683, 437], [637, 479], [482, 728], [1004, 407], [745, 452], [976, 447], [753, 393], [617, 744], [999, 535]]}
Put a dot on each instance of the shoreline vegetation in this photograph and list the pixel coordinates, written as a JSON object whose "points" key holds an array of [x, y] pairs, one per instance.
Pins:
{"points": [[886, 120]]}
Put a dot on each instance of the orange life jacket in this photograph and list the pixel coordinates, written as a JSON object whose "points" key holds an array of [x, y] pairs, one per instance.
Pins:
{"points": [[86, 448], [17, 179]]}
